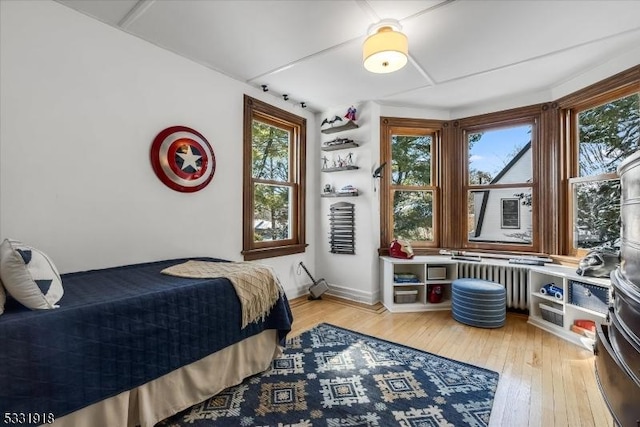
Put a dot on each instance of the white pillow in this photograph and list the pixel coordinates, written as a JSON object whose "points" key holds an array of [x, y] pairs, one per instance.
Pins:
{"points": [[29, 275]]}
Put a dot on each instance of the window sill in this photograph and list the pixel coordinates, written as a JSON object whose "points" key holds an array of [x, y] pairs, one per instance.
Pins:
{"points": [[271, 252], [557, 259], [416, 251], [566, 260]]}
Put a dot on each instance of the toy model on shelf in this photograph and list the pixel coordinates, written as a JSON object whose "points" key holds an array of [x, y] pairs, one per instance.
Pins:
{"points": [[346, 191], [350, 116], [338, 141], [351, 113], [339, 164], [349, 125], [552, 290], [332, 121], [338, 144]]}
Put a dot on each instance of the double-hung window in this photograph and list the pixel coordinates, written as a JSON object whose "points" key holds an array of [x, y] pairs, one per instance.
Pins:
{"points": [[500, 185], [410, 198], [274, 181], [602, 133]]}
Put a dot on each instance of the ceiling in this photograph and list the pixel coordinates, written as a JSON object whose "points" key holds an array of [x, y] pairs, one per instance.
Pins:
{"points": [[462, 52]]}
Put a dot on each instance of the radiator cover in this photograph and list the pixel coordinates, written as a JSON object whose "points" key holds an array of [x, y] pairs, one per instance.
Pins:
{"points": [[514, 279]]}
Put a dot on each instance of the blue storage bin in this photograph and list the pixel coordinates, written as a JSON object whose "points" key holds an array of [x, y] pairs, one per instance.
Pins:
{"points": [[587, 295]]}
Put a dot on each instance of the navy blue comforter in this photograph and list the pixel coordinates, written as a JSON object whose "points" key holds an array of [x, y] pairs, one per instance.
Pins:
{"points": [[116, 329]]}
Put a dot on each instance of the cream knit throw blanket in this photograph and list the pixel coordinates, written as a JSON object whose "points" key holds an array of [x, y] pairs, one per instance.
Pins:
{"points": [[257, 286]]}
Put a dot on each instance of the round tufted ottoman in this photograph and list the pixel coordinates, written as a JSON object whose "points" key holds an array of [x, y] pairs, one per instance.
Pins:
{"points": [[479, 303]]}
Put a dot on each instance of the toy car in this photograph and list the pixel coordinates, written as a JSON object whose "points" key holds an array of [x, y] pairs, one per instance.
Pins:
{"points": [[552, 290], [348, 189]]}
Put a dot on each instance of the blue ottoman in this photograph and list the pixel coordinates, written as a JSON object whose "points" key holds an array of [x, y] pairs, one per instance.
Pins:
{"points": [[479, 303]]}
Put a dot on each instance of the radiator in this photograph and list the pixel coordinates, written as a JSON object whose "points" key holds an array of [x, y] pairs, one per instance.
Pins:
{"points": [[514, 279]]}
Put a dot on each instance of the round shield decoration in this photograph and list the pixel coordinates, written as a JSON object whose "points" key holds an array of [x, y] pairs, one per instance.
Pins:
{"points": [[183, 159]]}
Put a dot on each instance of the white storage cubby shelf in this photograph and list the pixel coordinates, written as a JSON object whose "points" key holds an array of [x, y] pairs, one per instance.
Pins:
{"points": [[545, 311], [428, 270], [561, 313]]}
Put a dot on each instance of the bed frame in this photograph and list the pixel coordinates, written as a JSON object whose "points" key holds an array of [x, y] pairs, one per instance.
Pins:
{"points": [[131, 346]]}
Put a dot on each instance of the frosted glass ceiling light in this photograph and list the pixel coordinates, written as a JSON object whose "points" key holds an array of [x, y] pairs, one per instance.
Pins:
{"points": [[386, 49]]}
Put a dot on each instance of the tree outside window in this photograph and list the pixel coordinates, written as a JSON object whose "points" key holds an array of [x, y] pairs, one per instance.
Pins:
{"points": [[606, 134], [409, 186], [274, 176], [270, 174]]}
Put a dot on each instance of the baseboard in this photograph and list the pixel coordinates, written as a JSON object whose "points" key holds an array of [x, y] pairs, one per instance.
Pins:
{"points": [[297, 292], [353, 294], [326, 298], [339, 292]]}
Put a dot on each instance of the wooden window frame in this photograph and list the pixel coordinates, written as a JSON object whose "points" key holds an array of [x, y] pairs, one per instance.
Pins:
{"points": [[255, 109], [581, 252], [619, 86], [500, 120], [554, 159], [390, 126]]}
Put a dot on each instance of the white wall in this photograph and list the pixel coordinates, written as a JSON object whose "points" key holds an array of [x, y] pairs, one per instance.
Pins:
{"points": [[602, 71], [353, 276], [80, 104]]}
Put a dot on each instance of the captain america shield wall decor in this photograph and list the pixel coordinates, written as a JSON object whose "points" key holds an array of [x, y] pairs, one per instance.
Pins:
{"points": [[183, 159]]}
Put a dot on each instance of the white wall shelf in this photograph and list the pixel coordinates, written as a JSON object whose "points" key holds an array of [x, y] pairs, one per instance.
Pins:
{"points": [[343, 146], [340, 168], [562, 277], [335, 194], [349, 125]]}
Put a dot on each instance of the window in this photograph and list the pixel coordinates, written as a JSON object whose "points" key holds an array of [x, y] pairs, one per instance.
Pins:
{"points": [[510, 213], [274, 177], [409, 184], [500, 186], [536, 179], [603, 132]]}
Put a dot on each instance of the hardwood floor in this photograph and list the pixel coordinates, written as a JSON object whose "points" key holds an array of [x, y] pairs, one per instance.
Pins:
{"points": [[544, 380]]}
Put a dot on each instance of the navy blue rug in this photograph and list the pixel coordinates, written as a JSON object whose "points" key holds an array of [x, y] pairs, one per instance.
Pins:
{"points": [[333, 377]]}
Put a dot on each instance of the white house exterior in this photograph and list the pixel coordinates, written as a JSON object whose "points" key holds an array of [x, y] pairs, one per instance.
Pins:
{"points": [[500, 214]]}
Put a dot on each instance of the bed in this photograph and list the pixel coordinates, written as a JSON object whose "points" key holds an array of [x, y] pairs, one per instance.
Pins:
{"points": [[131, 346]]}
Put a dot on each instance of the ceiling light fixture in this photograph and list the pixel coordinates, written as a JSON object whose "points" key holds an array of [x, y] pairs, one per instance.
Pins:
{"points": [[386, 49]]}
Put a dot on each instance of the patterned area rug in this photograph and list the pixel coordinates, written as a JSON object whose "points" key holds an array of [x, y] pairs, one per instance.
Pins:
{"points": [[333, 377]]}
